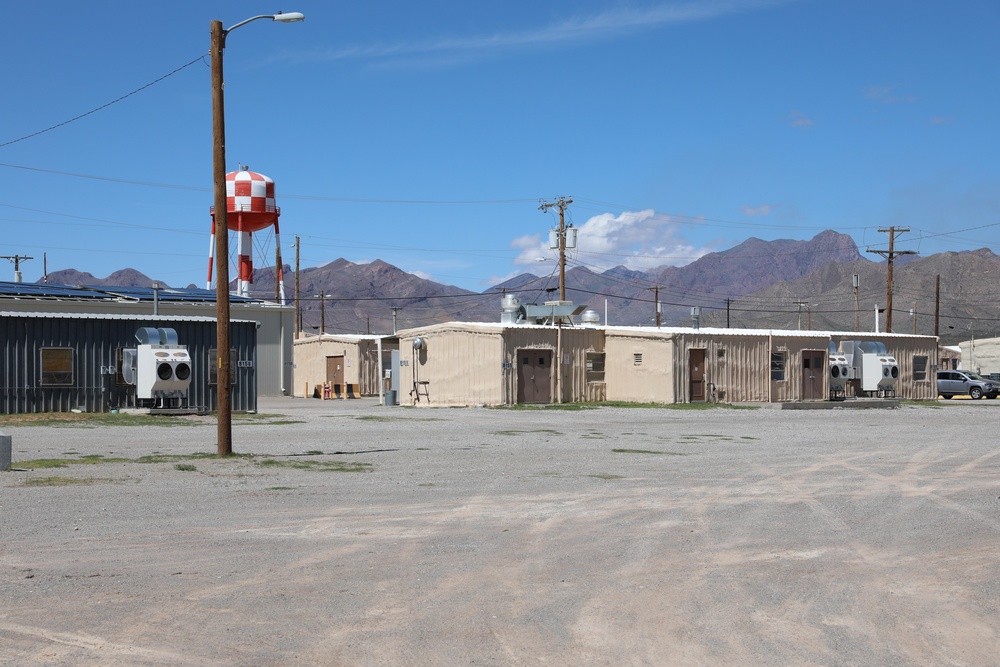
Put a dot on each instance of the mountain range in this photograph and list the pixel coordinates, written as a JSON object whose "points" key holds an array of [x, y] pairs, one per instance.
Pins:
{"points": [[784, 284]]}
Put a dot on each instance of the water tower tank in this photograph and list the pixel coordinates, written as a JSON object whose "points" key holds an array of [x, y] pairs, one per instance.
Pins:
{"points": [[250, 201]]}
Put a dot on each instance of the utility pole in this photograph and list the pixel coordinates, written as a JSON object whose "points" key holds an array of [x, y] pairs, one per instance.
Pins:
{"points": [[856, 280], [298, 304], [656, 303], [394, 311], [728, 303], [800, 304], [937, 305], [890, 255], [16, 259], [562, 204]]}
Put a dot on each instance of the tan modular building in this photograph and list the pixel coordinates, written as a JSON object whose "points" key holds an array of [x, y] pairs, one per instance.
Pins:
{"points": [[505, 363], [349, 364], [500, 364], [684, 365]]}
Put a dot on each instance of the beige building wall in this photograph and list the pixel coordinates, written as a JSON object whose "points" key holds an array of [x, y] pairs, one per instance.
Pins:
{"points": [[459, 364], [477, 364], [640, 365], [360, 354], [569, 346], [737, 365]]}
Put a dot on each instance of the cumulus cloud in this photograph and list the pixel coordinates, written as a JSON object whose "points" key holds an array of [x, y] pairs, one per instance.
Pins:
{"points": [[639, 240]]}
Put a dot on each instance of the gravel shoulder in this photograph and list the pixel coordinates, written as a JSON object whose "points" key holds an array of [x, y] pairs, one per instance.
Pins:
{"points": [[348, 533]]}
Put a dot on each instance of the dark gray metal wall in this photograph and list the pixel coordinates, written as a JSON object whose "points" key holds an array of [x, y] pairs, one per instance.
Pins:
{"points": [[95, 341]]}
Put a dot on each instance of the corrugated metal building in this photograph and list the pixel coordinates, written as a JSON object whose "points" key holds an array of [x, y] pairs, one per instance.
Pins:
{"points": [[276, 323], [57, 362]]}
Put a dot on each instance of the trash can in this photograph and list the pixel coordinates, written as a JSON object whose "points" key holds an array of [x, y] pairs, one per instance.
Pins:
{"points": [[390, 397]]}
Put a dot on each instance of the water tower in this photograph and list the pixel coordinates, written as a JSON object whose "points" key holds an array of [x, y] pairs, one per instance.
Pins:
{"points": [[251, 207]]}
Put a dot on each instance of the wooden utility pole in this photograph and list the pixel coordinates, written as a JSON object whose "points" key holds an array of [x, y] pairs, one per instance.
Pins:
{"points": [[298, 304], [890, 255], [656, 303], [856, 281], [562, 204], [16, 259], [728, 303], [937, 304]]}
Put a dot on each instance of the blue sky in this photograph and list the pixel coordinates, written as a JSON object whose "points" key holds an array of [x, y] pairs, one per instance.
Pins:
{"points": [[426, 134]]}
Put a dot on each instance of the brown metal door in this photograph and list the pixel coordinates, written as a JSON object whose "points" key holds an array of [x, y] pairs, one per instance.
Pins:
{"points": [[814, 369], [696, 369], [335, 370], [534, 376]]}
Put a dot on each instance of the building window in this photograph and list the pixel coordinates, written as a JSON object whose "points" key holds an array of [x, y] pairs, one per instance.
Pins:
{"points": [[595, 367], [721, 353], [637, 358], [919, 368], [57, 366], [778, 361], [213, 366]]}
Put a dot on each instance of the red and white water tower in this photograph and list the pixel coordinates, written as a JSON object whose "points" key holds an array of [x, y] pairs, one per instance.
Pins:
{"points": [[251, 207]]}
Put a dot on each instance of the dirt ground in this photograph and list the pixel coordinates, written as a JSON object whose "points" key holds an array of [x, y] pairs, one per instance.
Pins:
{"points": [[357, 534]]}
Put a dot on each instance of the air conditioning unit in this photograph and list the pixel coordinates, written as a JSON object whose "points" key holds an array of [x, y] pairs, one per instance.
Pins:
{"points": [[158, 367], [876, 370]]}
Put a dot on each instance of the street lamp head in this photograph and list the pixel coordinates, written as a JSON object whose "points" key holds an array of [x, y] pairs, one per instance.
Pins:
{"points": [[290, 17]]}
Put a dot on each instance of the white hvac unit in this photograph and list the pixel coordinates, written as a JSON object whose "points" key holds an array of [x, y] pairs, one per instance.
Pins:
{"points": [[872, 366], [159, 367], [840, 372]]}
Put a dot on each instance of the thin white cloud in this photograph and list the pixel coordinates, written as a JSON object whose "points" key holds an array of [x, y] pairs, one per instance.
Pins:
{"points": [[799, 119], [581, 29], [638, 240], [756, 211], [888, 95]]}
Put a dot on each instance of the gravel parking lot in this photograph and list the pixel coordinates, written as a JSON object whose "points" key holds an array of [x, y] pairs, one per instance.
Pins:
{"points": [[358, 534]]}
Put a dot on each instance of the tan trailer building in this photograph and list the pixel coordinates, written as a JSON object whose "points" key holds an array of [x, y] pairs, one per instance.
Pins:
{"points": [[348, 364], [684, 365], [461, 363]]}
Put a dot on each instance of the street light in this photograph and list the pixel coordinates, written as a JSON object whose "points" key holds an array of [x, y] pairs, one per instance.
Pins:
{"points": [[224, 409]]}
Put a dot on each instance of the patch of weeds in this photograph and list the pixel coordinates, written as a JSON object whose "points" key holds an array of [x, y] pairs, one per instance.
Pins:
{"points": [[647, 451], [281, 488], [594, 435], [169, 458], [547, 431], [320, 466], [185, 467], [65, 481], [382, 418], [548, 406], [93, 419], [90, 459], [314, 452], [423, 449], [748, 437], [426, 484], [606, 476]]}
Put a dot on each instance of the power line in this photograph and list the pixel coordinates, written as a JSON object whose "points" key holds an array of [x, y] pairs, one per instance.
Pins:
{"points": [[103, 106]]}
